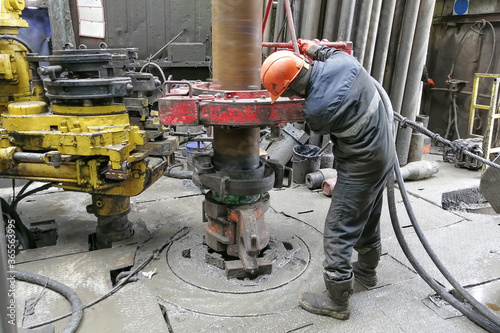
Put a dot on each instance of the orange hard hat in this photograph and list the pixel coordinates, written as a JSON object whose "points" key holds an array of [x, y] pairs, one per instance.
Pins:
{"points": [[278, 70]]}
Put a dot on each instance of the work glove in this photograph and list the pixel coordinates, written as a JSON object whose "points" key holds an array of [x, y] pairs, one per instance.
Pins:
{"points": [[429, 83], [308, 47]]}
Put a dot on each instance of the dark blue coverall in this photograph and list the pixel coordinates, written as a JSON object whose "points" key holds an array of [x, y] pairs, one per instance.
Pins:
{"points": [[342, 100]]}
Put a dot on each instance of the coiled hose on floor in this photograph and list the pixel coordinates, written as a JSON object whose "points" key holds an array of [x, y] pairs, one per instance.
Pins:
{"points": [[58, 287], [479, 314]]}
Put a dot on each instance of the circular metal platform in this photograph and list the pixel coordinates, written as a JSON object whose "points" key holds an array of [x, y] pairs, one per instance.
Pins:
{"points": [[295, 250]]}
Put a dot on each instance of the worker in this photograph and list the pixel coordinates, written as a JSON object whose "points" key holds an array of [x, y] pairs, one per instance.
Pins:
{"points": [[341, 100]]}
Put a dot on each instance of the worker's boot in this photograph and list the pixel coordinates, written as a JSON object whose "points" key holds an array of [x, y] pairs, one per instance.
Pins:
{"points": [[364, 268], [333, 303]]}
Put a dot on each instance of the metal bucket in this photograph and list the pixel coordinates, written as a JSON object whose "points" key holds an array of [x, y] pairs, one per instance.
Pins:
{"points": [[305, 160], [193, 148]]}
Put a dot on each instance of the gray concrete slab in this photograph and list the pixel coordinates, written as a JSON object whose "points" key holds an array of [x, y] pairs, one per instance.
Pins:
{"points": [[449, 178], [199, 299]]}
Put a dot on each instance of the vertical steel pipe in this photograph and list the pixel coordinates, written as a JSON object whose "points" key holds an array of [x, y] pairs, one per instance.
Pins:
{"points": [[291, 27], [266, 31], [404, 53], [397, 25], [412, 93], [372, 35], [236, 47], [297, 15], [346, 19], [279, 21], [311, 14], [237, 43], [236, 148], [331, 19], [383, 39], [362, 30]]}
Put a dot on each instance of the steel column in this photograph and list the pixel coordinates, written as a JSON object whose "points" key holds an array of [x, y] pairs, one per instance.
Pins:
{"points": [[297, 14], [362, 30], [397, 23], [331, 19], [372, 35], [310, 19], [346, 18], [404, 53], [412, 93], [383, 39], [237, 58], [279, 20]]}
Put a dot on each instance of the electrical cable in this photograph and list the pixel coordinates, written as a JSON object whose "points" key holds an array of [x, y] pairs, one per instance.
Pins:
{"points": [[17, 39], [21, 195], [452, 116], [58, 287], [178, 235], [157, 67], [483, 317], [493, 48], [455, 114], [23, 189], [450, 121], [23, 234], [471, 28]]}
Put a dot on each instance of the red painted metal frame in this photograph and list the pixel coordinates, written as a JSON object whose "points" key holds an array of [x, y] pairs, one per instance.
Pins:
{"points": [[344, 46], [233, 111]]}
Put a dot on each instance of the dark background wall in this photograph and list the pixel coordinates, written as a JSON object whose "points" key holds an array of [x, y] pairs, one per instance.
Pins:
{"points": [[459, 48], [149, 25]]}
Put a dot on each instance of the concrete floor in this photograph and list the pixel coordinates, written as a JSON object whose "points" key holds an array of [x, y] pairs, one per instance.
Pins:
{"points": [[187, 295]]}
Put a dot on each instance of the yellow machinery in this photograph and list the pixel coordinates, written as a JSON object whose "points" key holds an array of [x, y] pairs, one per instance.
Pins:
{"points": [[88, 128]]}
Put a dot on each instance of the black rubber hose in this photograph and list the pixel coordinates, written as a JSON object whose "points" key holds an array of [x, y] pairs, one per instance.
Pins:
{"points": [[485, 318], [475, 304], [466, 311], [62, 289], [23, 234], [23, 195], [178, 235], [455, 114], [17, 39]]}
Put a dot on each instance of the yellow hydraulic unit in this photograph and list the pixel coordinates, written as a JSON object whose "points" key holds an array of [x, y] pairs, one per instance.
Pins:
{"points": [[90, 127]]}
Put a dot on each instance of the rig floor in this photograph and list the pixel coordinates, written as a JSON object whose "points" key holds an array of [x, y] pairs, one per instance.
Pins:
{"points": [[179, 292]]}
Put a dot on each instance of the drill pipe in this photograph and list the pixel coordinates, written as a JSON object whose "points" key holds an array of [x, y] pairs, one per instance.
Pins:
{"points": [[236, 47]]}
